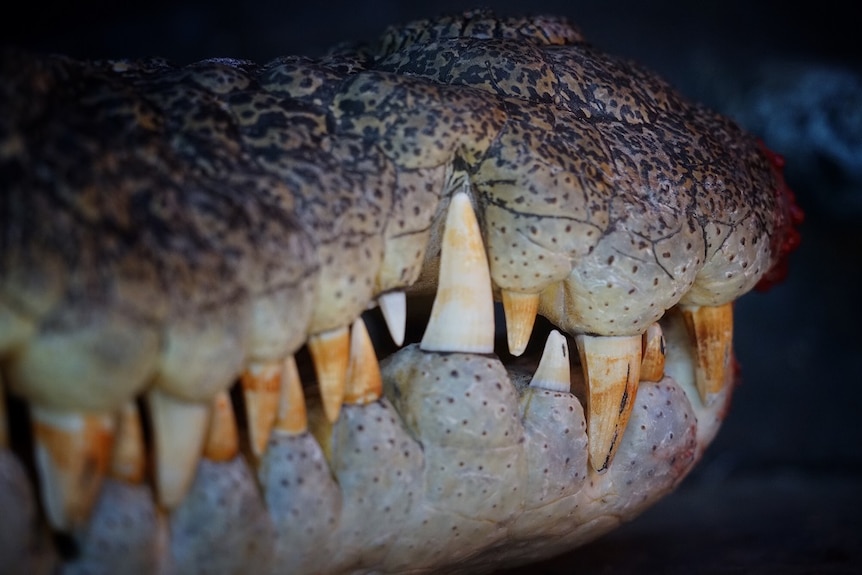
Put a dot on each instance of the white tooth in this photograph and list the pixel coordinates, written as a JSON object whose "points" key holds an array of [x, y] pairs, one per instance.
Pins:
{"points": [[292, 416], [72, 455], [611, 369], [652, 366], [261, 388], [179, 429], [129, 457], [553, 371], [520, 310], [394, 307], [330, 352], [364, 382], [711, 331], [222, 442], [462, 317]]}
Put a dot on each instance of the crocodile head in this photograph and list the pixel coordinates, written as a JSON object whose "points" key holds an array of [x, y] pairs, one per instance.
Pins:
{"points": [[282, 317]]}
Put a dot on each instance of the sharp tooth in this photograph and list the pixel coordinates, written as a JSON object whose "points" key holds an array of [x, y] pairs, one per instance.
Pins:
{"points": [[462, 317], [261, 386], [611, 369], [553, 371], [179, 429], [652, 366], [330, 351], [72, 455], [292, 417], [129, 458], [394, 307], [364, 382], [711, 332], [222, 442], [520, 309]]}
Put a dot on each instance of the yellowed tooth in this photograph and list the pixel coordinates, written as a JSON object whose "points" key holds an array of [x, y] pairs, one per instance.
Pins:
{"points": [[129, 457], [711, 332], [330, 352], [553, 372], [364, 382], [292, 416], [652, 366], [520, 309], [611, 369], [462, 316], [72, 455], [394, 307], [179, 429], [261, 387], [222, 442]]}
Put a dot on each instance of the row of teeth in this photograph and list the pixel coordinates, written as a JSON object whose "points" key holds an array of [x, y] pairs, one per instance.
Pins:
{"points": [[74, 451]]}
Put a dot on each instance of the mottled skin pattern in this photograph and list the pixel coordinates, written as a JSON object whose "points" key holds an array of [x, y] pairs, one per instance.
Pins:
{"points": [[164, 226]]}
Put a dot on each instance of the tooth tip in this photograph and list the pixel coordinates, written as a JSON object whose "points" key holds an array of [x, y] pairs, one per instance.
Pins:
{"points": [[72, 456], [394, 307], [364, 383], [520, 310], [331, 354], [462, 315], [553, 372], [222, 442], [179, 432], [261, 386], [292, 415], [710, 329], [611, 369]]}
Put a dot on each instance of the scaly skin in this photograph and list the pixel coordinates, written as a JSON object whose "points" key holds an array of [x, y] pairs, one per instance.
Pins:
{"points": [[165, 227]]}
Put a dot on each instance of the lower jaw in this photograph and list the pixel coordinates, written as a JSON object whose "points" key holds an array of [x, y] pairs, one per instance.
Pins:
{"points": [[461, 466]]}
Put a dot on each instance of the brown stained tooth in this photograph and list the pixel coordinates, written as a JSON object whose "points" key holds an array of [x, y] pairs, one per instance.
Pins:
{"points": [[394, 307], [462, 316], [72, 456], [364, 382], [611, 367], [553, 372], [520, 310], [711, 332], [653, 346], [222, 442], [179, 430], [129, 458], [330, 352], [261, 388], [292, 416]]}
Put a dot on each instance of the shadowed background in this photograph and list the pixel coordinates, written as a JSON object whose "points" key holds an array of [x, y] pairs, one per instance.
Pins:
{"points": [[780, 490]]}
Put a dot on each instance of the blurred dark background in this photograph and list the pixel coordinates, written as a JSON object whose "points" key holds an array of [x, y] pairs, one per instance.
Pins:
{"points": [[780, 490]]}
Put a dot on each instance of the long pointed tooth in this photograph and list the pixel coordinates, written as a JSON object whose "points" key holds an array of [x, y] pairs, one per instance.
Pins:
{"points": [[292, 416], [553, 372], [394, 307], [652, 365], [261, 387], [222, 442], [520, 310], [129, 458], [611, 369], [462, 317], [364, 382], [72, 455], [330, 352], [179, 429], [711, 331]]}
